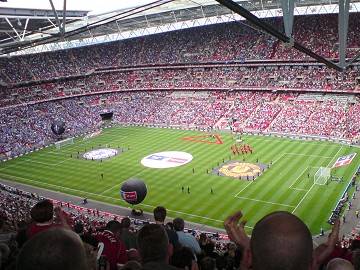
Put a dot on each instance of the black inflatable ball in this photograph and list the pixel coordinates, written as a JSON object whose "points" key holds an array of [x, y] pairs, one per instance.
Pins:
{"points": [[58, 127], [133, 191]]}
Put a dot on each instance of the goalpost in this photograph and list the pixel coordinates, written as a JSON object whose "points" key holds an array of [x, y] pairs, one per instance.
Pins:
{"points": [[62, 143], [322, 175]]}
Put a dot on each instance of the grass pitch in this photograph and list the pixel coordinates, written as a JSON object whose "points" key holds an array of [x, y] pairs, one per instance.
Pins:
{"points": [[284, 186]]}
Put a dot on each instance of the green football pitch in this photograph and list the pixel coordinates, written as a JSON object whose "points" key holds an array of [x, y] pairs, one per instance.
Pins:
{"points": [[288, 183]]}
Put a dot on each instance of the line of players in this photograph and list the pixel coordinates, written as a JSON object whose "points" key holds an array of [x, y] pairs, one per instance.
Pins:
{"points": [[241, 149]]}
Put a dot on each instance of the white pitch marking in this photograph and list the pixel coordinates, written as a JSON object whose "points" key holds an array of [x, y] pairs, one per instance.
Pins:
{"points": [[305, 155], [303, 198], [297, 179], [300, 189], [256, 200], [243, 189]]}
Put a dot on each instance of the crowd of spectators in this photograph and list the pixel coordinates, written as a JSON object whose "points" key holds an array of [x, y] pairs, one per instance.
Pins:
{"points": [[38, 233], [227, 42], [23, 215], [27, 127], [312, 78]]}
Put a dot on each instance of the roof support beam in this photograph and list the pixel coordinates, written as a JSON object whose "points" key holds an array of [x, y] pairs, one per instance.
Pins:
{"points": [[344, 6], [275, 33], [12, 27], [64, 20], [56, 15], [25, 27], [288, 16]]}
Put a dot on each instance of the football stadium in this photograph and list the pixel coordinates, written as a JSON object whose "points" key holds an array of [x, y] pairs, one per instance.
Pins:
{"points": [[227, 130]]}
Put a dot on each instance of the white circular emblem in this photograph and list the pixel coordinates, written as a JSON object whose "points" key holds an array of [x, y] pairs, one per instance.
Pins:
{"points": [[168, 159], [100, 153]]}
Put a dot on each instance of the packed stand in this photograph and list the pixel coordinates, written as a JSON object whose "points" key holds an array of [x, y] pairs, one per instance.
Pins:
{"points": [[226, 42], [27, 127], [296, 78]]}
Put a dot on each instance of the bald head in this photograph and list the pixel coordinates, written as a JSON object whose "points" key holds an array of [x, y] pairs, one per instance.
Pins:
{"points": [[279, 241], [55, 249], [339, 264]]}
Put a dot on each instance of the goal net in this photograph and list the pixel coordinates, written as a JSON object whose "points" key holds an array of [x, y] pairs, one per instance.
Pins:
{"points": [[322, 175], [62, 143]]}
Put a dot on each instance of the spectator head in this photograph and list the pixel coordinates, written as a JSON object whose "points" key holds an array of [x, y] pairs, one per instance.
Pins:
{"points": [[179, 224], [170, 226], [183, 258], [281, 240], [153, 244], [339, 264], [125, 223], [160, 214], [79, 227], [43, 211], [55, 249], [114, 226], [207, 263]]}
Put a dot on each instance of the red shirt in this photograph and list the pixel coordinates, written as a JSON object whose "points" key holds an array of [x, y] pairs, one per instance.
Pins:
{"points": [[112, 248], [35, 228]]}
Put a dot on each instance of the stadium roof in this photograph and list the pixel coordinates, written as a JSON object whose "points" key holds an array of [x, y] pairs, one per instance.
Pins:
{"points": [[37, 28]]}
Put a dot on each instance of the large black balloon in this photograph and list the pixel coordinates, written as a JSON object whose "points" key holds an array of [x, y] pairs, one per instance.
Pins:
{"points": [[133, 191], [58, 127]]}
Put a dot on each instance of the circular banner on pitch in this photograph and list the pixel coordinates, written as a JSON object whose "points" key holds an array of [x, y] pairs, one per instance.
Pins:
{"points": [[167, 159], [100, 153], [240, 169]]}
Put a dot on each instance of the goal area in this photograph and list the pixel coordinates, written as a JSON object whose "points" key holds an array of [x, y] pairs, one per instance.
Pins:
{"points": [[62, 143], [322, 175]]}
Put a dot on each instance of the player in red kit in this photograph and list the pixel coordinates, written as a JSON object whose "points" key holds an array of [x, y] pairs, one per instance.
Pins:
{"points": [[111, 246]]}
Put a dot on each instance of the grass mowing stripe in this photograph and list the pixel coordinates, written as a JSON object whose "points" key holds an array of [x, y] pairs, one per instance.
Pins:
{"points": [[290, 159]]}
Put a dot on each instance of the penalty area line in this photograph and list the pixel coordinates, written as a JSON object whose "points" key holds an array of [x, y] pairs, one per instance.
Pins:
{"points": [[267, 202], [242, 189]]}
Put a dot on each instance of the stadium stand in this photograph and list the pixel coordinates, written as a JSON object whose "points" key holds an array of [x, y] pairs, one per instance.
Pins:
{"points": [[225, 76], [330, 116], [231, 42]]}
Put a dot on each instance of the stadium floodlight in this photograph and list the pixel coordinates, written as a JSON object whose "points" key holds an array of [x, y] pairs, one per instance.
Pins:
{"points": [[62, 143], [322, 175]]}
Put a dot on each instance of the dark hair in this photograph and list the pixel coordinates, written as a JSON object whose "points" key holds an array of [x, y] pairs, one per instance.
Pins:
{"points": [[179, 224], [113, 226], [55, 249], [153, 243], [79, 227], [207, 263], [170, 225], [182, 258], [43, 211], [160, 214], [125, 222]]}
